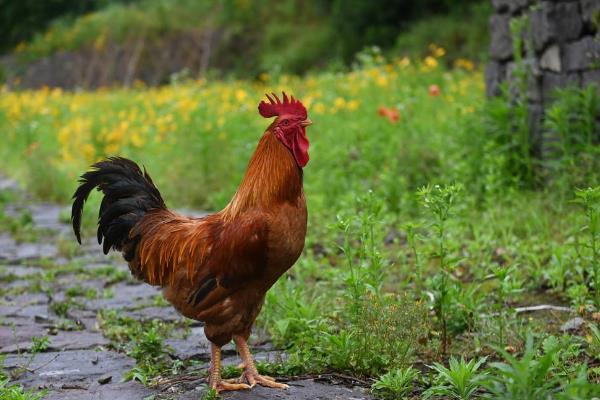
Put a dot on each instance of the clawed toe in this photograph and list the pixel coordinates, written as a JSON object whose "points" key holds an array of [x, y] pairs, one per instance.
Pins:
{"points": [[262, 380], [253, 380], [228, 386]]}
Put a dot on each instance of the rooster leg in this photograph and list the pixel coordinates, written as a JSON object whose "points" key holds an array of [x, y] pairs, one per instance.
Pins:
{"points": [[250, 373], [214, 373]]}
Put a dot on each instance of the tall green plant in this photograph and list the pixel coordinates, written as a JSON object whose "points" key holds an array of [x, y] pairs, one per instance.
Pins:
{"points": [[572, 131], [525, 377], [507, 158], [521, 77], [590, 200], [361, 240], [439, 201], [508, 285]]}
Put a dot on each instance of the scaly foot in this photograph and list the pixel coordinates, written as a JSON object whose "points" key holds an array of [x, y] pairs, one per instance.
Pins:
{"points": [[214, 374]]}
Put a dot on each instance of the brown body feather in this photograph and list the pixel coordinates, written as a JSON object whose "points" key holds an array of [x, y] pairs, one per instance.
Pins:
{"points": [[235, 255]]}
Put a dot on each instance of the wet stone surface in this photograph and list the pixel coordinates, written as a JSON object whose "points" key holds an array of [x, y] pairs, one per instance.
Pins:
{"points": [[302, 390], [55, 370], [52, 289], [12, 251]]}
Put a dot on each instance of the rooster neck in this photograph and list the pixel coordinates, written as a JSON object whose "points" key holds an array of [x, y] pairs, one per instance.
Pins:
{"points": [[272, 177]]}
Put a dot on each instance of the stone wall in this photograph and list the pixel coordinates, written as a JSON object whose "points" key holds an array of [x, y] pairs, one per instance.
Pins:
{"points": [[561, 47]]}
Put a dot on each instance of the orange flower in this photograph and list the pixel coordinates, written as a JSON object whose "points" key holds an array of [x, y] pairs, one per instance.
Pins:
{"points": [[434, 90], [391, 114]]}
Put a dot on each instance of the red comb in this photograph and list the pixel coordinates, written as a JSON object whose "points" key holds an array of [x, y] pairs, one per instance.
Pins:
{"points": [[277, 107]]}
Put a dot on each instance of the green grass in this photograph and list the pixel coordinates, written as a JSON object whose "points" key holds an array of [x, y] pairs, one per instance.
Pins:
{"points": [[425, 234], [10, 391], [141, 340], [15, 391], [19, 226]]}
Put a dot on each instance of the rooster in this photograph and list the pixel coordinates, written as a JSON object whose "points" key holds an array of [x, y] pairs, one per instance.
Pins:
{"points": [[218, 268]]}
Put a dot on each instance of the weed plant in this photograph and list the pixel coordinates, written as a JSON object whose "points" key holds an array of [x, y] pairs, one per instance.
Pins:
{"points": [[439, 201], [460, 381], [590, 200], [397, 383]]}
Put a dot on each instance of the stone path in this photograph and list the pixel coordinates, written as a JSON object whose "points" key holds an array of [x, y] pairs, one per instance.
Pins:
{"points": [[50, 288]]}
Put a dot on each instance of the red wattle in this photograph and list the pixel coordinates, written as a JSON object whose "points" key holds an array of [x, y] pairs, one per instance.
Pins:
{"points": [[300, 149]]}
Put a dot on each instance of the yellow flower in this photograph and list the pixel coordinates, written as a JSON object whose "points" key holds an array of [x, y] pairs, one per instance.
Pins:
{"points": [[186, 105], [63, 136], [403, 62], [319, 108], [382, 80], [88, 151], [464, 64], [66, 155], [136, 140], [436, 50], [339, 102], [240, 95], [56, 93], [307, 101], [117, 134], [14, 111], [112, 149], [430, 62], [353, 105]]}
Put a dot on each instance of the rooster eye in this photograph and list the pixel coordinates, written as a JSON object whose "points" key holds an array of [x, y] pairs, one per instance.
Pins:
{"points": [[286, 122]]}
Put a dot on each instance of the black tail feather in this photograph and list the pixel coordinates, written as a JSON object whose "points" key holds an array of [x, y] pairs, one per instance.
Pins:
{"points": [[128, 192]]}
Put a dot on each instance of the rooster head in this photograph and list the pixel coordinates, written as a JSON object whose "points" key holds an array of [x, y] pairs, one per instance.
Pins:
{"points": [[290, 125]]}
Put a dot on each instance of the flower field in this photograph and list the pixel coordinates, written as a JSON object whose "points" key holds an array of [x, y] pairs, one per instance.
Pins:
{"points": [[205, 131]]}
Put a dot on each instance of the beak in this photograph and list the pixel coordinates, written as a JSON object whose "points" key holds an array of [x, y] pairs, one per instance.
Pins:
{"points": [[306, 122]]}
